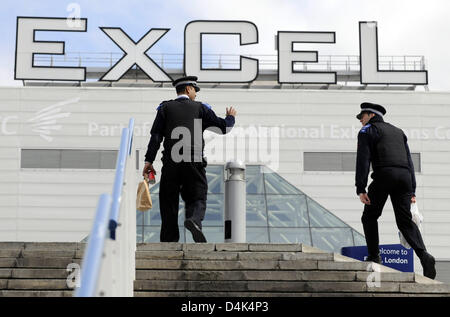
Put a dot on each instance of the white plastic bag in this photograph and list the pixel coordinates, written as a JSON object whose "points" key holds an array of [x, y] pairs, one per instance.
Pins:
{"points": [[418, 219]]}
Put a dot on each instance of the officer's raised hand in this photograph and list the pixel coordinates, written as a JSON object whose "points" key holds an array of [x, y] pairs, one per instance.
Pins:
{"points": [[147, 169], [231, 112], [364, 198]]}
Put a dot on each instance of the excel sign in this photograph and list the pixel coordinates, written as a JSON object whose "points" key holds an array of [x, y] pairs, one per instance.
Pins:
{"points": [[135, 54]]}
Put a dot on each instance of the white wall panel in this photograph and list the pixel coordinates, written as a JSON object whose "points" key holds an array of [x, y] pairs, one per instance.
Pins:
{"points": [[32, 200]]}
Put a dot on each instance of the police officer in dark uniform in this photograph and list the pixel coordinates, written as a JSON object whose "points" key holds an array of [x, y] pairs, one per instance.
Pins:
{"points": [[180, 123], [385, 146]]}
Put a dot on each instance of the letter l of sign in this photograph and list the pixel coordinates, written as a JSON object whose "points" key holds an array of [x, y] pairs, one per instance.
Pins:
{"points": [[135, 54]]}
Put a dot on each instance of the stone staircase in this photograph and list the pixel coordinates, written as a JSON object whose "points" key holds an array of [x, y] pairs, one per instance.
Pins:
{"points": [[37, 269], [215, 270]]}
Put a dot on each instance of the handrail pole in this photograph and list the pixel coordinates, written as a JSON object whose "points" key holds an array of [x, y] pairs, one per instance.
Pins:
{"points": [[118, 183], [108, 265], [131, 134], [90, 267]]}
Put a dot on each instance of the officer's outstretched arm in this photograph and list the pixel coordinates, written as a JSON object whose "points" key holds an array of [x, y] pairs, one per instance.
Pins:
{"points": [[210, 119]]}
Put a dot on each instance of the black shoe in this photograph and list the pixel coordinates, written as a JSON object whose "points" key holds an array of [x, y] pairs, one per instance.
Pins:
{"points": [[375, 259], [428, 263], [197, 233]]}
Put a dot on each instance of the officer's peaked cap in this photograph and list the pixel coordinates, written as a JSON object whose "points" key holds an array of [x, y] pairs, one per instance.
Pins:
{"points": [[371, 107], [188, 80]]}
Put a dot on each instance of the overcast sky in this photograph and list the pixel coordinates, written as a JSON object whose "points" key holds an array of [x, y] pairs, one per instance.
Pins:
{"points": [[405, 27]]}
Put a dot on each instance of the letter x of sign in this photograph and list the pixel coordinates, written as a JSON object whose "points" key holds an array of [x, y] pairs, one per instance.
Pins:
{"points": [[135, 54]]}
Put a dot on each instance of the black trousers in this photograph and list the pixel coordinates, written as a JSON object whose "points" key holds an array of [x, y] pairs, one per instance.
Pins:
{"points": [[189, 180], [395, 182]]}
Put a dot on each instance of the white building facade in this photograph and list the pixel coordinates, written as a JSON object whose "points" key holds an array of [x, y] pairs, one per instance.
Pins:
{"points": [[57, 150]]}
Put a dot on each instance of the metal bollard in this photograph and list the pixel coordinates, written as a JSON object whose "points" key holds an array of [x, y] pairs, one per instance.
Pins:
{"points": [[235, 199]]}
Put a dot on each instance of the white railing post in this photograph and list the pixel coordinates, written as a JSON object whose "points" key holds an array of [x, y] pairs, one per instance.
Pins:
{"points": [[109, 264]]}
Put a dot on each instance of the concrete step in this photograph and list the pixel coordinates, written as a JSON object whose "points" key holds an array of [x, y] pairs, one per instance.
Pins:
{"points": [[225, 265], [8, 262], [219, 294], [263, 286], [273, 294], [36, 284], [335, 287], [237, 247], [34, 293], [232, 256], [33, 273], [308, 263], [5, 273], [222, 269], [12, 245], [49, 254], [10, 253], [39, 273], [245, 275], [36, 262], [53, 246]]}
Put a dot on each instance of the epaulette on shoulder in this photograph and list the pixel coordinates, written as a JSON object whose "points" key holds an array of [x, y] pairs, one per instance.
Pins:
{"points": [[206, 105], [162, 103], [364, 128]]}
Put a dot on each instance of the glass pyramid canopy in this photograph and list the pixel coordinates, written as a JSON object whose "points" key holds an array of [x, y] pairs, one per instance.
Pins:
{"points": [[277, 212]]}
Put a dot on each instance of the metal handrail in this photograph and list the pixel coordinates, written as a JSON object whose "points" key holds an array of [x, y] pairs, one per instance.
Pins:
{"points": [[92, 259], [107, 216], [125, 146]]}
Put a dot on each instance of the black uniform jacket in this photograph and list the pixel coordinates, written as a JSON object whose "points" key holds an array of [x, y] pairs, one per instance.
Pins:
{"points": [[166, 119], [368, 137]]}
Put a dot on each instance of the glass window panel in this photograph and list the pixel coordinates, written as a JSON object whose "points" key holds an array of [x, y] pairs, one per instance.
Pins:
{"points": [[40, 158], [153, 216], [140, 234], [214, 210], [214, 174], [275, 184], [257, 235], [331, 239], [320, 217], [358, 238], [140, 217], [80, 159], [254, 179], [256, 212], [154, 190], [290, 235], [212, 235], [151, 234], [287, 211]]}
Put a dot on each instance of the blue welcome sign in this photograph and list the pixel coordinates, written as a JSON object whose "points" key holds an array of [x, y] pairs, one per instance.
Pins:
{"points": [[394, 256]]}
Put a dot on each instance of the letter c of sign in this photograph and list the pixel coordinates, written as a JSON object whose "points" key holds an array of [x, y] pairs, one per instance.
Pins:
{"points": [[5, 122]]}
